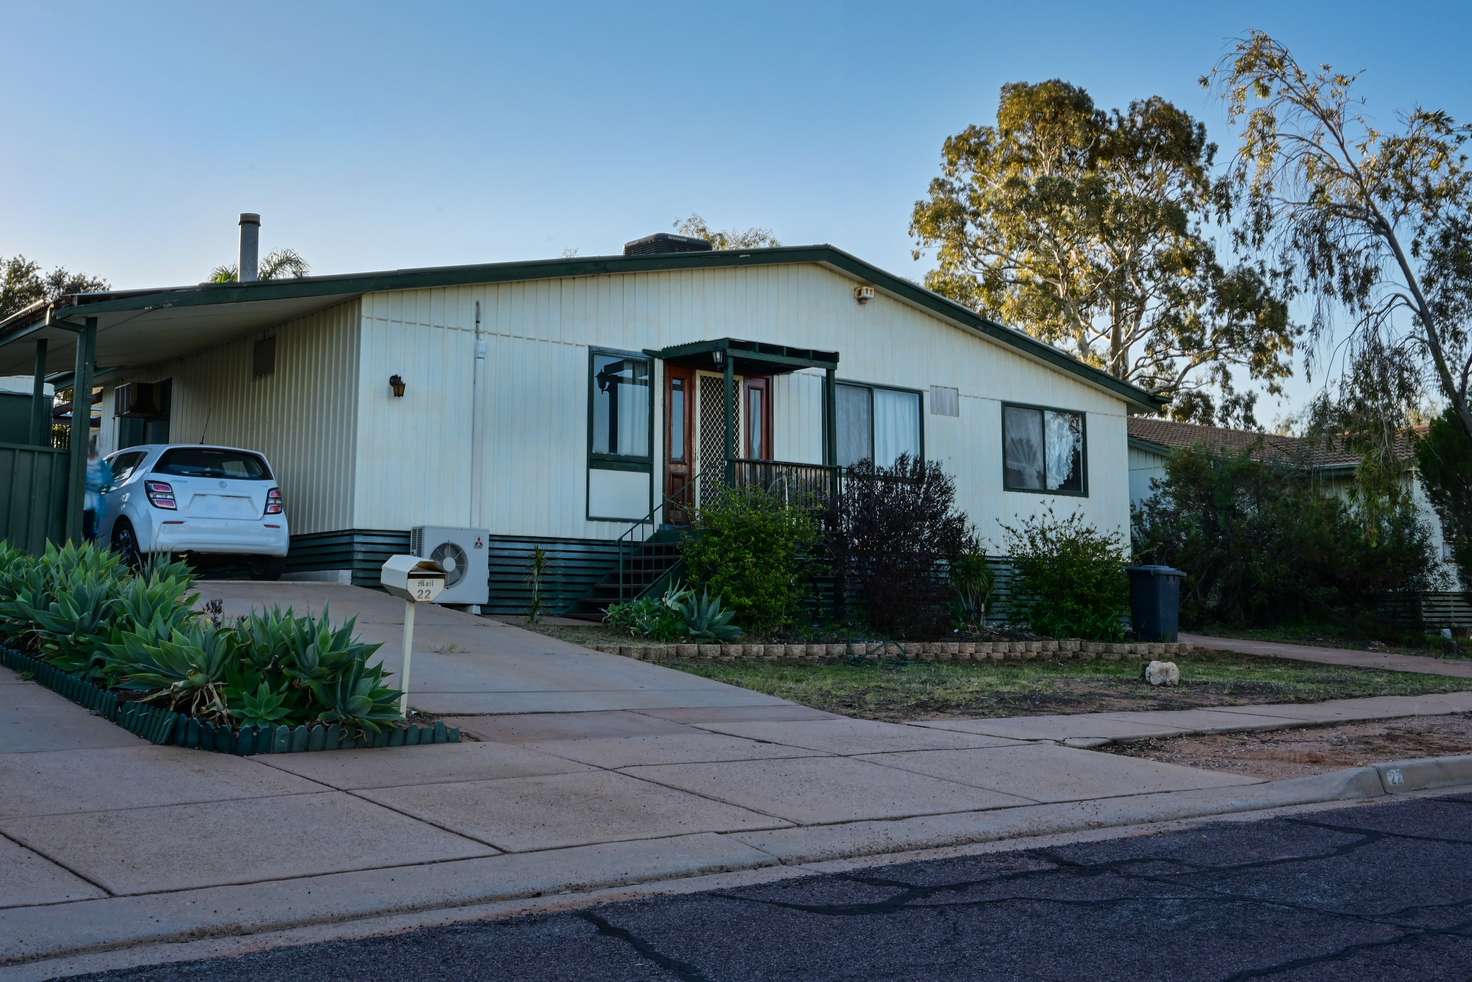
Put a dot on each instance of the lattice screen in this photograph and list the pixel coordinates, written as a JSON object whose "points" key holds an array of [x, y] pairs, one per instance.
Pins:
{"points": [[711, 465]]}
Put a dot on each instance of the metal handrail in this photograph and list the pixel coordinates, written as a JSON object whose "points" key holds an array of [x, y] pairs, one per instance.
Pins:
{"points": [[687, 499]]}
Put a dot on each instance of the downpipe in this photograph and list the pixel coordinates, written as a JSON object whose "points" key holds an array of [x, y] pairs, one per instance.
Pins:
{"points": [[475, 368]]}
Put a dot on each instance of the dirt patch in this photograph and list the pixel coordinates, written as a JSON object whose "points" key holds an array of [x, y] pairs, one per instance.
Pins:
{"points": [[1310, 750]]}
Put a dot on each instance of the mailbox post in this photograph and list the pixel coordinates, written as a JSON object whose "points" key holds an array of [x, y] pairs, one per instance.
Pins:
{"points": [[417, 581]]}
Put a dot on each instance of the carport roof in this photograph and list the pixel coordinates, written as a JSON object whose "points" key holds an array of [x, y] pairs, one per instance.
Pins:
{"points": [[142, 327]]}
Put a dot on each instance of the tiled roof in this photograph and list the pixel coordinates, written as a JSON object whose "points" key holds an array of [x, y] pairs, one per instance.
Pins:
{"points": [[1301, 451]]}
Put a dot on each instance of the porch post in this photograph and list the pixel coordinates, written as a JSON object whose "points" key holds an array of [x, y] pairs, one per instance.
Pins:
{"points": [[81, 428], [830, 418], [40, 412], [730, 414]]}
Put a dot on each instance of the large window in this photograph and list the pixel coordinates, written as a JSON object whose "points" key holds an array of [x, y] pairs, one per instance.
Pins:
{"points": [[877, 424], [620, 395], [1043, 450]]}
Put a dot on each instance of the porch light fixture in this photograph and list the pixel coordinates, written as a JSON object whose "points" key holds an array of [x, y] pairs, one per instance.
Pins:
{"points": [[396, 383], [719, 357]]}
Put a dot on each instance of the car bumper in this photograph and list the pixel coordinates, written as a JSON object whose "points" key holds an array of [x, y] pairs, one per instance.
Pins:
{"points": [[221, 535]]}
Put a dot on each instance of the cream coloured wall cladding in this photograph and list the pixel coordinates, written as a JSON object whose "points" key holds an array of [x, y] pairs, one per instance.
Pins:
{"points": [[302, 415], [413, 454]]}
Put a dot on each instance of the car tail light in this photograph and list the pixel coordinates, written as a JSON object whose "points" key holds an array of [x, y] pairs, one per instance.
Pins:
{"points": [[160, 494], [274, 504]]}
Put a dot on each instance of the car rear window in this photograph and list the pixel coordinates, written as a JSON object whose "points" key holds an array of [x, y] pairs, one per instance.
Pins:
{"points": [[240, 465]]}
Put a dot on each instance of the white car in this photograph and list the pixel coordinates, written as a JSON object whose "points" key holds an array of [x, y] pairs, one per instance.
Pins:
{"points": [[204, 501]]}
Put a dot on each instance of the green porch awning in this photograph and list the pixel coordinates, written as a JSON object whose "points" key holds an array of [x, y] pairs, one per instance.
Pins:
{"points": [[746, 357]]}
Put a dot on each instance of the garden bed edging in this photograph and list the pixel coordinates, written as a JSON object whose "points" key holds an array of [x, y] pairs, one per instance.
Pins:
{"points": [[164, 726], [941, 651]]}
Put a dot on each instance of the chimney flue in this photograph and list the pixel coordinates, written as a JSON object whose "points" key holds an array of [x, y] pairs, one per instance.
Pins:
{"points": [[250, 242]]}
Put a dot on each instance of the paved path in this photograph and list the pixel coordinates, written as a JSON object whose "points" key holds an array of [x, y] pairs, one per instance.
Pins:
{"points": [[1361, 893], [1349, 657], [468, 664]]}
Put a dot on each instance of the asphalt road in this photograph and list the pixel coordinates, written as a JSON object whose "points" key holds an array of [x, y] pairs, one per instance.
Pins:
{"points": [[1377, 893]]}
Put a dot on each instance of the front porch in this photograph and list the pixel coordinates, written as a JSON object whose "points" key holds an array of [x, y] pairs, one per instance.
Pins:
{"points": [[719, 432]]}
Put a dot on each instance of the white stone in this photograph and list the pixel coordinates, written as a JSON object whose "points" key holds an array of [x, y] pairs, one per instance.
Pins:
{"points": [[1162, 673]]}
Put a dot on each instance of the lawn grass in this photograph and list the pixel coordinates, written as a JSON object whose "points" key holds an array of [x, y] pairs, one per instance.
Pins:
{"points": [[895, 690]]}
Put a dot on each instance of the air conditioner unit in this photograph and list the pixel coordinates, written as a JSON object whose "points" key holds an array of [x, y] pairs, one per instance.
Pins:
{"points": [[465, 555]]}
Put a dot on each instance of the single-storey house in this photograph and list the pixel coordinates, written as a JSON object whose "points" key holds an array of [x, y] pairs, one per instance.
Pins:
{"points": [[1333, 466], [573, 403]]}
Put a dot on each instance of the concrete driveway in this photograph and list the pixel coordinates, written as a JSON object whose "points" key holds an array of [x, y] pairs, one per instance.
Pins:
{"points": [[465, 664]]}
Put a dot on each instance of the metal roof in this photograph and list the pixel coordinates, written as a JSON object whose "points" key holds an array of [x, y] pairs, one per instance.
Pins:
{"points": [[178, 321]]}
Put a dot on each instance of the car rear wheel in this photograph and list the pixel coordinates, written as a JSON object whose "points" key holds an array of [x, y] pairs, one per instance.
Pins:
{"points": [[125, 544], [268, 568]]}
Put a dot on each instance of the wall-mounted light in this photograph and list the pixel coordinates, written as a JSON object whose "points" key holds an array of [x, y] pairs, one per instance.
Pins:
{"points": [[719, 357], [863, 294], [396, 383]]}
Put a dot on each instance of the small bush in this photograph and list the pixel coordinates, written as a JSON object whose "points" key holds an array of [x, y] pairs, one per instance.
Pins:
{"points": [[1069, 578], [756, 553], [972, 582], [676, 616], [891, 536]]}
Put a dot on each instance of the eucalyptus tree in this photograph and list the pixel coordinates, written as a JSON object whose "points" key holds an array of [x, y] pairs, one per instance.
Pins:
{"points": [[1097, 231], [23, 282], [1373, 225], [756, 237]]}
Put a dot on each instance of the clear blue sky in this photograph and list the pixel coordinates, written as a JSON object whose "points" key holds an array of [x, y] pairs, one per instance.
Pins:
{"points": [[438, 133]]}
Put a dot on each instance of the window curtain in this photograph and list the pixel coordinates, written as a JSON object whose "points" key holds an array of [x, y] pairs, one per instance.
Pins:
{"points": [[855, 425], [896, 426], [1022, 456], [1065, 444]]}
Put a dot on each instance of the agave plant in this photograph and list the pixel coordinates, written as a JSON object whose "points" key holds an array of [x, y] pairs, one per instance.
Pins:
{"points": [[185, 671], [264, 706], [706, 619], [72, 626], [357, 698]]}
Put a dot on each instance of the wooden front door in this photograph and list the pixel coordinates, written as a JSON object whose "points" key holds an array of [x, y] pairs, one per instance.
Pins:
{"points": [[679, 443]]}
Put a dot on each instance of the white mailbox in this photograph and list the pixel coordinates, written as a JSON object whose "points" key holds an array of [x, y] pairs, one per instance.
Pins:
{"points": [[417, 581], [413, 578]]}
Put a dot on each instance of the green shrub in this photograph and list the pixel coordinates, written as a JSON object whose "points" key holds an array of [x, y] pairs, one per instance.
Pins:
{"points": [[1267, 544], [650, 618], [755, 552], [1069, 578], [677, 615]]}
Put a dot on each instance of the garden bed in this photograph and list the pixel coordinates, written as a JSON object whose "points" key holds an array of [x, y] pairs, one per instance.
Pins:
{"points": [[165, 727], [897, 690]]}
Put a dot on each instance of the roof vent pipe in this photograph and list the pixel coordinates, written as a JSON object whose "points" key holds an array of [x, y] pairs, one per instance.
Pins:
{"points": [[250, 243]]}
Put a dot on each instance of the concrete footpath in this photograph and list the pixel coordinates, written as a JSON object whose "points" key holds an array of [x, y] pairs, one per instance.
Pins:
{"points": [[626, 773], [551, 803], [1346, 657]]}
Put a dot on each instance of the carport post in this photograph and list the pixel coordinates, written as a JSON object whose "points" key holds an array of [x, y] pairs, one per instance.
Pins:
{"points": [[81, 428], [40, 413]]}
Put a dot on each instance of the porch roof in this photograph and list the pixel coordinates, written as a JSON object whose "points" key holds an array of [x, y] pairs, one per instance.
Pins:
{"points": [[747, 357]]}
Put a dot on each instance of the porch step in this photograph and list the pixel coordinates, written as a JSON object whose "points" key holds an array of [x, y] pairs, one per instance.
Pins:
{"points": [[642, 569]]}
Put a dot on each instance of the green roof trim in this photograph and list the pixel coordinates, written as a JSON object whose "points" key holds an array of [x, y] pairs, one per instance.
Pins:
{"points": [[356, 284]]}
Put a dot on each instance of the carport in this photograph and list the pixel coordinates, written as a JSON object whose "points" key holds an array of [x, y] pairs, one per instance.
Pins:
{"points": [[83, 339]]}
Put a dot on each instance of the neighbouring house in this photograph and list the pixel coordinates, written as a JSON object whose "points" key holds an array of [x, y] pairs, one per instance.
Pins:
{"points": [[1153, 440], [573, 404]]}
